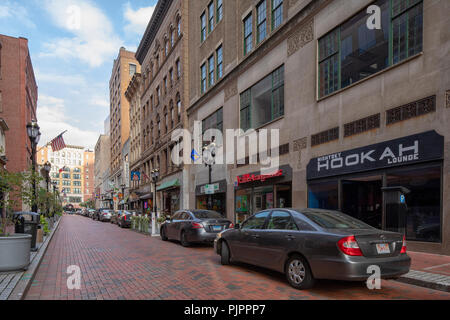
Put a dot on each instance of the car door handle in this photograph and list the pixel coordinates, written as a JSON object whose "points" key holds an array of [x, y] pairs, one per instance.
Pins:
{"points": [[255, 236], [290, 237]]}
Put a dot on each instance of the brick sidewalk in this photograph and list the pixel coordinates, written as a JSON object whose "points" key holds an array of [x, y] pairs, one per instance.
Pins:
{"points": [[122, 264]]}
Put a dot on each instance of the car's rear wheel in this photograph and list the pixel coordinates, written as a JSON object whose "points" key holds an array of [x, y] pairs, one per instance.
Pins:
{"points": [[163, 234], [298, 273], [225, 254], [183, 239]]}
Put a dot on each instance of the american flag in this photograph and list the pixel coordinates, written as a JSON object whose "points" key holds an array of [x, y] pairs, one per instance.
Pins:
{"points": [[58, 143]]}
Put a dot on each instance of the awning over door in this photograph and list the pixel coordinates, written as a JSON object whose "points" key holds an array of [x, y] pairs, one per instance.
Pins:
{"points": [[169, 184]]}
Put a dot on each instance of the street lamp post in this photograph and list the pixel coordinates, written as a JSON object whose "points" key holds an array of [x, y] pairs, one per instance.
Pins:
{"points": [[209, 154], [47, 168], [122, 186], [155, 176], [34, 134]]}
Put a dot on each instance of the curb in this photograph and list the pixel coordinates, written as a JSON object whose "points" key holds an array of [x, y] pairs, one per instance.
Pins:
{"points": [[426, 280], [27, 278]]}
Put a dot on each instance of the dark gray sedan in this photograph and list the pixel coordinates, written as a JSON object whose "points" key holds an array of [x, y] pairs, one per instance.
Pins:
{"points": [[311, 244], [188, 226]]}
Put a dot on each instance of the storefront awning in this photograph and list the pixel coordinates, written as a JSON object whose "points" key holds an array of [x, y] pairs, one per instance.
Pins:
{"points": [[169, 184], [146, 196]]}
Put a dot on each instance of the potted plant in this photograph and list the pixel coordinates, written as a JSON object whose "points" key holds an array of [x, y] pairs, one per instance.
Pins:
{"points": [[14, 248]]}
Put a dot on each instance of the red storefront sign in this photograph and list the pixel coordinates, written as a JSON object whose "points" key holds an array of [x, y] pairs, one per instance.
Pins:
{"points": [[246, 178]]}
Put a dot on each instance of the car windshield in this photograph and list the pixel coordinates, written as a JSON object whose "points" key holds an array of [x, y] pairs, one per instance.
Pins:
{"points": [[205, 214], [334, 219], [129, 212]]}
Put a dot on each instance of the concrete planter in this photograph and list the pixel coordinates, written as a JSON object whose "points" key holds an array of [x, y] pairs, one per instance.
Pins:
{"points": [[15, 252]]}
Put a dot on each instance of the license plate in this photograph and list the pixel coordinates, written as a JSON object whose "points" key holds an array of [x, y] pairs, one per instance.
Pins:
{"points": [[383, 248], [217, 228]]}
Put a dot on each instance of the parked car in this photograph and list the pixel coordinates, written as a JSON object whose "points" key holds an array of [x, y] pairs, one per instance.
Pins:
{"points": [[91, 212], [189, 226], [115, 216], [124, 220], [96, 215], [105, 215], [309, 244]]}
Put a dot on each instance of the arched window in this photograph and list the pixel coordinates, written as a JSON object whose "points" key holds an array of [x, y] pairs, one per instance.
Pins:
{"points": [[179, 106], [151, 133], [172, 37], [166, 47], [172, 115], [166, 121], [158, 121], [179, 25]]}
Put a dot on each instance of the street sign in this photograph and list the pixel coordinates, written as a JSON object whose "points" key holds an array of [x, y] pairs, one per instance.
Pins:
{"points": [[211, 188]]}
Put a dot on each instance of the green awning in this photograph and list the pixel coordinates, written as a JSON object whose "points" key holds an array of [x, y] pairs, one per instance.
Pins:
{"points": [[168, 185]]}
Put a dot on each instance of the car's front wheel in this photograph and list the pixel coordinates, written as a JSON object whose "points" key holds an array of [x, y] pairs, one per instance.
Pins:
{"points": [[298, 273], [225, 254]]}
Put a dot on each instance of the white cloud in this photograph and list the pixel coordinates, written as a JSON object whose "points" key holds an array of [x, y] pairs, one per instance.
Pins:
{"points": [[137, 20], [72, 80], [94, 40], [53, 120], [9, 10], [99, 101]]}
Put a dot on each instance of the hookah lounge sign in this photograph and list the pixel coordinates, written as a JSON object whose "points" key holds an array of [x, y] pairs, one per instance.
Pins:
{"points": [[408, 150]]}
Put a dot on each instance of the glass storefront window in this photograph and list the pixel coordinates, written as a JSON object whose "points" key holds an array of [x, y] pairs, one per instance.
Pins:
{"points": [[219, 203], [423, 219], [263, 198], [323, 195], [243, 209]]}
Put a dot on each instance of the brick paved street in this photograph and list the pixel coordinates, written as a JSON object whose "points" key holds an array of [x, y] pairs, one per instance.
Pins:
{"points": [[122, 264]]}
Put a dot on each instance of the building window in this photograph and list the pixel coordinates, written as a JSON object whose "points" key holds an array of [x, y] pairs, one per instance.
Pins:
{"points": [[76, 176], [171, 77], [325, 136], [261, 23], [179, 106], [214, 121], [203, 78], [352, 52], [219, 10], [277, 13], [248, 38], [165, 85], [166, 48], [219, 54], [178, 69], [211, 17], [179, 27], [264, 102], [132, 69], [203, 27], [211, 71], [172, 38], [407, 25]]}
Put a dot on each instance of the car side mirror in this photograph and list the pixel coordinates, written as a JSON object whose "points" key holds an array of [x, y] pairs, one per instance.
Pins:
{"points": [[237, 226]]}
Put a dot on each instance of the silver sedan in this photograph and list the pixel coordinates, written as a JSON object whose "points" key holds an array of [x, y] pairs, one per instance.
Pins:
{"points": [[311, 244]]}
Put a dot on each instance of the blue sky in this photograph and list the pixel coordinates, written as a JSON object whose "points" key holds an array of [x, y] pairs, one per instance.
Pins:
{"points": [[73, 44]]}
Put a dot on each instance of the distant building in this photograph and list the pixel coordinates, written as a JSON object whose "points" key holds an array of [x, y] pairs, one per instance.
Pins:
{"points": [[75, 182], [18, 100], [103, 197], [125, 67]]}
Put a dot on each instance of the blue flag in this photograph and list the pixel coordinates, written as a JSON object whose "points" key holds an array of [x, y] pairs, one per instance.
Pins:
{"points": [[194, 155]]}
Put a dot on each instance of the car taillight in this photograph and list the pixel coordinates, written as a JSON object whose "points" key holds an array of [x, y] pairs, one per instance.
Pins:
{"points": [[231, 226], [125, 218], [403, 245], [196, 225], [349, 246]]}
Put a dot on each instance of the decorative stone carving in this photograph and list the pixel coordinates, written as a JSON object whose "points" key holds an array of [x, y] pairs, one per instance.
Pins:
{"points": [[301, 37], [231, 90], [300, 144]]}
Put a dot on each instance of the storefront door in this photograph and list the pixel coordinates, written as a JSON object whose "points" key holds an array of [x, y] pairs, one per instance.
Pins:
{"points": [[362, 198]]}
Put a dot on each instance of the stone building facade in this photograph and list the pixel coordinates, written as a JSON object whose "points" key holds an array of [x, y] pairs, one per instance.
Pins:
{"points": [[360, 111], [162, 54]]}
